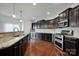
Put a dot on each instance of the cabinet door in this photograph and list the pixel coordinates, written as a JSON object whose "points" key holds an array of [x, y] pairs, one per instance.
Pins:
{"points": [[61, 16], [39, 36], [21, 50], [43, 36], [6, 51], [55, 23], [70, 45], [77, 16], [16, 50], [66, 15], [72, 18]]}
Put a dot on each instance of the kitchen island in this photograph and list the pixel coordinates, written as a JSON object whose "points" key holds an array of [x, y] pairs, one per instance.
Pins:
{"points": [[13, 45], [9, 41]]}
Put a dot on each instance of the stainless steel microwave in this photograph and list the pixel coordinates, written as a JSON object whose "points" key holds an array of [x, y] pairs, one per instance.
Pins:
{"points": [[64, 23]]}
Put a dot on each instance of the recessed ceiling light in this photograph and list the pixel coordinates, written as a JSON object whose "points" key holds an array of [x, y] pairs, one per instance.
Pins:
{"points": [[34, 4], [48, 13], [33, 17], [14, 16], [20, 20]]}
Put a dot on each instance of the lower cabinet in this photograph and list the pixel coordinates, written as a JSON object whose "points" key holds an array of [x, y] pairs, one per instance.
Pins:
{"points": [[47, 37], [72, 46], [6, 52], [18, 49], [42, 36]]}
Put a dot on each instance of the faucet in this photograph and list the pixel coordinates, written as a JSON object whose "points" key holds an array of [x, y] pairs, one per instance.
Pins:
{"points": [[15, 29]]}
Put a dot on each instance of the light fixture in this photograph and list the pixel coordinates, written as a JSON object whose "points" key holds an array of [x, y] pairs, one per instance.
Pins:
{"points": [[48, 13], [34, 4], [20, 20], [13, 15], [21, 16], [33, 18]]}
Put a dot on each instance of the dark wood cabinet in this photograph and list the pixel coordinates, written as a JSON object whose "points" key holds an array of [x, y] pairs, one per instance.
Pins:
{"points": [[64, 18], [7, 51], [38, 24], [55, 23], [77, 16], [42, 36], [73, 18], [67, 18], [61, 21], [72, 46], [65, 14], [18, 48], [45, 24], [45, 36]]}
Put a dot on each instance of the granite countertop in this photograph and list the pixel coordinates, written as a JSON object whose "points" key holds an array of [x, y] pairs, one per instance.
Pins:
{"points": [[72, 36], [9, 41]]}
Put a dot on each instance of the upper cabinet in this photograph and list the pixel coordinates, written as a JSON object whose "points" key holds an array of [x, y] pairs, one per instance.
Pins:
{"points": [[74, 17], [65, 14], [77, 16], [38, 24], [41, 24], [55, 22], [67, 18], [47, 24], [64, 18]]}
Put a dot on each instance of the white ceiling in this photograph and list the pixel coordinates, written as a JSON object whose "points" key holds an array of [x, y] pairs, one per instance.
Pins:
{"points": [[39, 11]]}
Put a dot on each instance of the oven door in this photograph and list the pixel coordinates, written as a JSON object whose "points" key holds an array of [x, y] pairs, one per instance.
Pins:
{"points": [[58, 45]]}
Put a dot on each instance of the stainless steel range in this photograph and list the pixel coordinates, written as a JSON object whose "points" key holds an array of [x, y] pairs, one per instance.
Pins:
{"points": [[59, 38]]}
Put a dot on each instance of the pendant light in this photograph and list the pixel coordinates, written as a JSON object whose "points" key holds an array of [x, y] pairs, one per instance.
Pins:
{"points": [[21, 16], [13, 15], [21, 22], [34, 4]]}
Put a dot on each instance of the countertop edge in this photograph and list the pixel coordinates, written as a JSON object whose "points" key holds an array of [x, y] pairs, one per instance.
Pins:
{"points": [[72, 36]]}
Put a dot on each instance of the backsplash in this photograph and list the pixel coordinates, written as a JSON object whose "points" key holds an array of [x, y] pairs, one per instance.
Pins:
{"points": [[58, 30]]}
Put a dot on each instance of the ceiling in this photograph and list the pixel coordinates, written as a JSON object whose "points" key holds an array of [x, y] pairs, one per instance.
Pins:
{"points": [[30, 11]]}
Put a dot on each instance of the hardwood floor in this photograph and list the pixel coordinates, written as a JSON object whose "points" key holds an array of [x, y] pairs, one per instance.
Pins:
{"points": [[42, 48]]}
